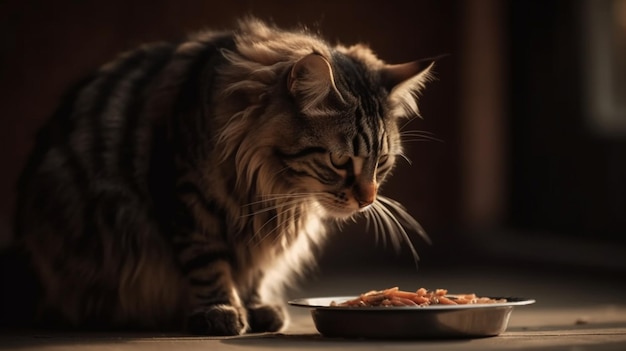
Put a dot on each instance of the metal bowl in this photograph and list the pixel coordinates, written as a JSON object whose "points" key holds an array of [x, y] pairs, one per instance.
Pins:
{"points": [[436, 321]]}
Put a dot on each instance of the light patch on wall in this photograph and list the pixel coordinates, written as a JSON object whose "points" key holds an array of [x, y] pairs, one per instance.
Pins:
{"points": [[605, 64]]}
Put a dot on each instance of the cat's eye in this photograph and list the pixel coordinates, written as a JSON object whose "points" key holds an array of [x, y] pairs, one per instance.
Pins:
{"points": [[382, 159], [339, 160]]}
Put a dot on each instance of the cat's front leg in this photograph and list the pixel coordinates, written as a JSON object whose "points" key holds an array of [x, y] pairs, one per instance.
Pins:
{"points": [[264, 316], [215, 305], [217, 320]]}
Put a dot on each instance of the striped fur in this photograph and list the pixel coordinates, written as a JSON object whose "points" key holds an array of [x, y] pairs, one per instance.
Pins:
{"points": [[185, 185]]}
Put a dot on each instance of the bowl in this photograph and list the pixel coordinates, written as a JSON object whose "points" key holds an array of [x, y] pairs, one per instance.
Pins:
{"points": [[434, 321]]}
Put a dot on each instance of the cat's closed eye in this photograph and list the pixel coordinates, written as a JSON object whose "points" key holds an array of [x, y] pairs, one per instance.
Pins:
{"points": [[382, 159], [339, 160]]}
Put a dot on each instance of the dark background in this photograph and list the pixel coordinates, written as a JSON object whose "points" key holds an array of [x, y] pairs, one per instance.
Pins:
{"points": [[523, 174]]}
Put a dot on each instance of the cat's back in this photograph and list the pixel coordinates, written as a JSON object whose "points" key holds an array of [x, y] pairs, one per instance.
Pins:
{"points": [[105, 125], [85, 213]]}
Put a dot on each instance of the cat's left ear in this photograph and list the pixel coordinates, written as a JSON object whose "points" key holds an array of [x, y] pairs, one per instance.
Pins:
{"points": [[312, 83], [404, 82]]}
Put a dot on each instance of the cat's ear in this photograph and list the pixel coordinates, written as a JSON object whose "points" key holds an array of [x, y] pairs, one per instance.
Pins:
{"points": [[404, 83], [312, 83]]}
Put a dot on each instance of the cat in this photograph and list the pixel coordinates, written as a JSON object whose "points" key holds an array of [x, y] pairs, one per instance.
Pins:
{"points": [[185, 185]]}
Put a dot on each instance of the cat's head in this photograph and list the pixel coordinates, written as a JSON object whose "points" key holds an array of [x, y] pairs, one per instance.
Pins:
{"points": [[307, 121], [346, 139]]}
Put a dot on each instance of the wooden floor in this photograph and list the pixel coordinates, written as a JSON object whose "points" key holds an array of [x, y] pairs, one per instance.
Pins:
{"points": [[575, 310]]}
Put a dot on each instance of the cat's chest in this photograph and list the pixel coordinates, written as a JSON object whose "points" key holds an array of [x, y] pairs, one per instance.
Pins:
{"points": [[292, 243]]}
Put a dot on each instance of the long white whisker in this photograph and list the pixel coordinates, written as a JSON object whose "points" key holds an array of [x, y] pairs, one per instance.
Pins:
{"points": [[371, 222], [368, 219], [420, 140], [382, 225], [407, 123], [419, 136], [417, 132], [386, 218], [379, 228], [405, 217], [405, 158], [403, 233]]}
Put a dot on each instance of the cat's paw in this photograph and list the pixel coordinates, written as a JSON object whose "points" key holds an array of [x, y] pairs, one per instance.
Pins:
{"points": [[217, 320], [266, 318]]}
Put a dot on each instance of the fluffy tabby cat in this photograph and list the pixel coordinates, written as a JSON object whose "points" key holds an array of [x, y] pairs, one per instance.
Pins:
{"points": [[183, 185]]}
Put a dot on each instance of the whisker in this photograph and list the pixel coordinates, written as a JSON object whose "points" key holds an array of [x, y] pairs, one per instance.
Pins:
{"points": [[405, 217], [407, 123], [420, 140], [417, 132], [278, 197], [283, 222], [367, 220], [272, 207], [406, 158], [381, 225], [379, 228], [287, 220], [391, 219], [269, 196], [339, 225], [418, 135], [371, 222], [278, 225], [388, 226]]}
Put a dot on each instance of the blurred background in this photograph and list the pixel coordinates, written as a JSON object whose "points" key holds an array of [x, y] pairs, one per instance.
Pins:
{"points": [[530, 105]]}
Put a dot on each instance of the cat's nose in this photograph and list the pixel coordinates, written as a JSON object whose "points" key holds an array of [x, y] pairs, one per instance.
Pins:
{"points": [[365, 193]]}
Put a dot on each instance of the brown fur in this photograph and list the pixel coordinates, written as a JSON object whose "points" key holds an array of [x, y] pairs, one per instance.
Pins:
{"points": [[187, 185]]}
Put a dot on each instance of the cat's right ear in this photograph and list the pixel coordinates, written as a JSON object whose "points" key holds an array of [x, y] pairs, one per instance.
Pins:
{"points": [[311, 82], [404, 83]]}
